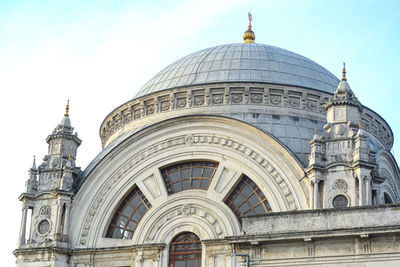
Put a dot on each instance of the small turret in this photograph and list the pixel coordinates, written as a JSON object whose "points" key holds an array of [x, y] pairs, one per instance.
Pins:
{"points": [[339, 168], [63, 145], [49, 191]]}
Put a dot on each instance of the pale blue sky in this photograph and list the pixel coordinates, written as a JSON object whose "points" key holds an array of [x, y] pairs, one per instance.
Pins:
{"points": [[99, 53]]}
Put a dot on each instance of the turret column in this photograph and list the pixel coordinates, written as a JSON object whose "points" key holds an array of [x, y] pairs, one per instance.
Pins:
{"points": [[66, 218], [22, 230]]}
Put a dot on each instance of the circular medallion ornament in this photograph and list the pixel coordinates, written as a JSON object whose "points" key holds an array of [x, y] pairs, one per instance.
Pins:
{"points": [[340, 201], [44, 227]]}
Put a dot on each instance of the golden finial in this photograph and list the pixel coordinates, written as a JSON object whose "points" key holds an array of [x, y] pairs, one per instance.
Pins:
{"points": [[69, 156], [67, 109], [359, 124], [249, 35], [344, 72], [316, 130]]}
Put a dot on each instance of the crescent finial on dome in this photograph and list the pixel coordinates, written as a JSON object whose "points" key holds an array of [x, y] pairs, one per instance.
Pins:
{"points": [[249, 35]]}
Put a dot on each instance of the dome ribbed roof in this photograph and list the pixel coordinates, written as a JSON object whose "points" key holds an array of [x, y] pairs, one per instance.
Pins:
{"points": [[242, 62]]}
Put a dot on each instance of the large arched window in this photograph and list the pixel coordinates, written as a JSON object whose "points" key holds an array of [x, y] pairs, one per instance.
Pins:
{"points": [[185, 251], [247, 199], [128, 215], [188, 175]]}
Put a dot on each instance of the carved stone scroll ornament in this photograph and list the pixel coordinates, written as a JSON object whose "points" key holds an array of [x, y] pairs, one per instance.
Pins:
{"points": [[340, 186], [45, 211]]}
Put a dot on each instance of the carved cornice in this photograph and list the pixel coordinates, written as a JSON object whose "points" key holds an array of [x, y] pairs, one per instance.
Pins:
{"points": [[265, 96], [251, 94]]}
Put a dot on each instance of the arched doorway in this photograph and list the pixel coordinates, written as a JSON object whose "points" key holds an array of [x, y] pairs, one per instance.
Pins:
{"points": [[185, 251]]}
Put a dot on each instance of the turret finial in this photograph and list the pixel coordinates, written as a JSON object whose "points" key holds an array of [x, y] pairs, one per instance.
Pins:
{"points": [[34, 159], [316, 130], [344, 72], [249, 35], [359, 124], [69, 156], [67, 109], [250, 18]]}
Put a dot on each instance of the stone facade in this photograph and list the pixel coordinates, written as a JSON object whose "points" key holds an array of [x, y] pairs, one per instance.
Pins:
{"points": [[314, 166]]}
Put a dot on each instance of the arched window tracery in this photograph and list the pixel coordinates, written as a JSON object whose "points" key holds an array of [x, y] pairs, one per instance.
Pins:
{"points": [[188, 175], [247, 199], [128, 215], [185, 251]]}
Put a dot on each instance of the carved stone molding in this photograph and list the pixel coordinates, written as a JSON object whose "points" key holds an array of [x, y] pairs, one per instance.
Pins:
{"points": [[185, 210], [289, 98]]}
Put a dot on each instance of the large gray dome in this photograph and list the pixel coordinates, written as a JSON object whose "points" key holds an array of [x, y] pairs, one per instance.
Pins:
{"points": [[242, 62]]}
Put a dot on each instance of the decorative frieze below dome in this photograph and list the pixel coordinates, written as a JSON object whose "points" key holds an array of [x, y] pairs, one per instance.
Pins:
{"points": [[272, 99]]}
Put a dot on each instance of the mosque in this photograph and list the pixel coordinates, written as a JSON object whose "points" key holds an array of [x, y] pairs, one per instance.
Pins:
{"points": [[236, 155]]}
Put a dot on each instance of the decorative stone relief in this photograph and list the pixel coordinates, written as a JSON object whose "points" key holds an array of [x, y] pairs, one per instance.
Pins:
{"points": [[376, 125], [138, 114], [45, 211], [276, 99], [185, 210], [256, 98], [181, 102], [198, 100], [217, 98], [165, 105], [237, 98], [294, 102], [311, 104], [189, 140], [340, 186], [150, 109]]}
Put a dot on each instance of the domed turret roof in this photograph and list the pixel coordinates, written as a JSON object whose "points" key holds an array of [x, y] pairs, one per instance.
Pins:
{"points": [[242, 62]]}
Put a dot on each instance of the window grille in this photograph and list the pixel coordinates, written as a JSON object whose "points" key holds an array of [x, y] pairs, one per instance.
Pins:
{"points": [[247, 199], [128, 215], [185, 251], [188, 175]]}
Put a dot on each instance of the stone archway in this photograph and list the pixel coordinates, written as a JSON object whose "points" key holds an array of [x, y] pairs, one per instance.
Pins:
{"points": [[238, 147]]}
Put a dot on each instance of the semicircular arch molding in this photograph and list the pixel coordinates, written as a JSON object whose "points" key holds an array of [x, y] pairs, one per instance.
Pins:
{"points": [[389, 169], [239, 148]]}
